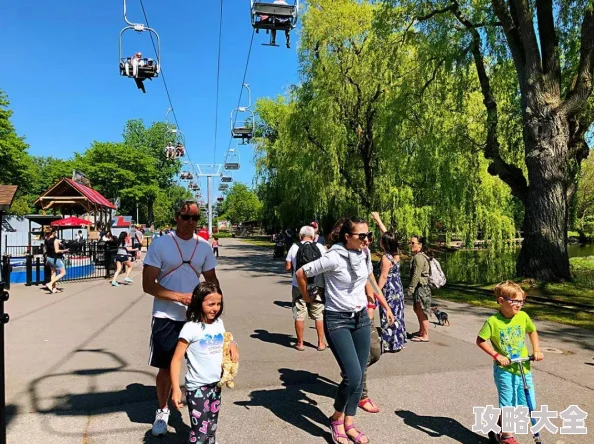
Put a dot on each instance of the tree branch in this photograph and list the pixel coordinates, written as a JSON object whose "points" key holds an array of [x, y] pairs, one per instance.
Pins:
{"points": [[582, 88], [510, 174], [521, 12], [549, 43]]}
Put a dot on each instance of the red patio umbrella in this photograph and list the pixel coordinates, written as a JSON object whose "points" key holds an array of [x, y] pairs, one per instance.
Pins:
{"points": [[70, 222]]}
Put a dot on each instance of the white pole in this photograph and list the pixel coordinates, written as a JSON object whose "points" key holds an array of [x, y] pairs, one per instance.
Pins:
{"points": [[137, 221], [208, 197]]}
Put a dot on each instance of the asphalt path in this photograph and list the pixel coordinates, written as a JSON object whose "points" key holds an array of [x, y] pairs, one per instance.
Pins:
{"points": [[76, 368]]}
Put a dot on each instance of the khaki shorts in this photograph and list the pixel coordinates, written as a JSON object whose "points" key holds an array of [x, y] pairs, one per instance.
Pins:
{"points": [[300, 308]]}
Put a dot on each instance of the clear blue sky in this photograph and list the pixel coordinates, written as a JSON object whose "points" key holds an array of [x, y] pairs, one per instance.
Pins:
{"points": [[61, 74]]}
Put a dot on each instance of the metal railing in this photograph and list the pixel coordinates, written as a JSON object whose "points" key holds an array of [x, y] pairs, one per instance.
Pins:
{"points": [[84, 260]]}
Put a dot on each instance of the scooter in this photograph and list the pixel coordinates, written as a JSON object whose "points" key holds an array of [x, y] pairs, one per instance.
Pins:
{"points": [[494, 437]]}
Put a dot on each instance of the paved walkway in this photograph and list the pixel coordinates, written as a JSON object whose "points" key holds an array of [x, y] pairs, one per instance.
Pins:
{"points": [[76, 369]]}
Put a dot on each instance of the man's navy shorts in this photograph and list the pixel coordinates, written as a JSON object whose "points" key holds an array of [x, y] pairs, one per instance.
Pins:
{"points": [[164, 335]]}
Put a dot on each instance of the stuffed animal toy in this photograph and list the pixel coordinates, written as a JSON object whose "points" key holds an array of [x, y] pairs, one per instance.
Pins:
{"points": [[229, 367]]}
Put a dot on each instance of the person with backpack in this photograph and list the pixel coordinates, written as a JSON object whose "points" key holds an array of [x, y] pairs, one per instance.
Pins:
{"points": [[418, 288], [301, 253]]}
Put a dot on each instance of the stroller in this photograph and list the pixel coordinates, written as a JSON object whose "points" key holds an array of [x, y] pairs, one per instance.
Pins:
{"points": [[279, 249]]}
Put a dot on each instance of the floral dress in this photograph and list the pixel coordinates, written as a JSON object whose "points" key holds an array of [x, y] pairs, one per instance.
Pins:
{"points": [[393, 337]]}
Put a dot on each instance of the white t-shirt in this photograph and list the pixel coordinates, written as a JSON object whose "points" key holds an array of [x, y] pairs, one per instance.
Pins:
{"points": [[163, 254], [205, 352], [292, 257], [345, 285]]}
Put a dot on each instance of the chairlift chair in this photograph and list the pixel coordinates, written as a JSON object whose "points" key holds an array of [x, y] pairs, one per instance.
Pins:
{"points": [[223, 187], [226, 177], [232, 160], [273, 16], [243, 129]]}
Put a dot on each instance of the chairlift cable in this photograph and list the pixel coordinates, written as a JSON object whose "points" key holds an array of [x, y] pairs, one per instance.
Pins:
{"points": [[247, 62], [216, 126], [162, 74]]}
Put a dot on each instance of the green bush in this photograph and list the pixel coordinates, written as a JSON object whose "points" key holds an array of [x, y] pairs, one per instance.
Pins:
{"points": [[222, 234]]}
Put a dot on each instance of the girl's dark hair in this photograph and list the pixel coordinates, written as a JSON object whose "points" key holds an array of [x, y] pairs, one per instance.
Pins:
{"points": [[389, 241], [203, 289], [424, 247], [122, 239], [347, 227], [333, 236]]}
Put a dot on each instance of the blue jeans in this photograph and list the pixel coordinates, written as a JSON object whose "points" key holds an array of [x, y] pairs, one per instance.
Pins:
{"points": [[349, 338]]}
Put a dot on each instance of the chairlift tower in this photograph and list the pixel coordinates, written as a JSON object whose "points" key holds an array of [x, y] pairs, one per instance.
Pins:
{"points": [[209, 171]]}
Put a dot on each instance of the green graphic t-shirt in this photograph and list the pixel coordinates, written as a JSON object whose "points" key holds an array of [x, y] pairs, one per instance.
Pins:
{"points": [[508, 337]]}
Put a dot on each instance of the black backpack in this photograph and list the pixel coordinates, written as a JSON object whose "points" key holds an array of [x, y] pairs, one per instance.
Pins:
{"points": [[308, 252]]}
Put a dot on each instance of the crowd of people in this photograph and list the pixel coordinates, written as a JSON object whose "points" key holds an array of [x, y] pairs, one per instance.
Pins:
{"points": [[333, 284]]}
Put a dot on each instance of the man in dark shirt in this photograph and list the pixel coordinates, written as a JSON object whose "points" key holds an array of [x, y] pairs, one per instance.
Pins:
{"points": [[317, 237]]}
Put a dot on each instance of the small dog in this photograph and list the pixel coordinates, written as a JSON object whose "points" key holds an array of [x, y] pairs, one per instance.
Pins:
{"points": [[442, 317]]}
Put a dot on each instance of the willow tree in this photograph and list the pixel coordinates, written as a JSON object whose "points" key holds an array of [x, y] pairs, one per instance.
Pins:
{"points": [[549, 45], [371, 127]]}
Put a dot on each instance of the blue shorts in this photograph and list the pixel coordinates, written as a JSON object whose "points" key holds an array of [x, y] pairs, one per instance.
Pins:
{"points": [[57, 264], [511, 388]]}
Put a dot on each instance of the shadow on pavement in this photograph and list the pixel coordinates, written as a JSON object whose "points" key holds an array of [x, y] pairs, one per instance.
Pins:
{"points": [[292, 403], [181, 433], [278, 338], [283, 304], [254, 259], [440, 426], [11, 411]]}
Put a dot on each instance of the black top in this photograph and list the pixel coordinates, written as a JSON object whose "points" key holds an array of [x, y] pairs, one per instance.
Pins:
{"points": [[50, 250]]}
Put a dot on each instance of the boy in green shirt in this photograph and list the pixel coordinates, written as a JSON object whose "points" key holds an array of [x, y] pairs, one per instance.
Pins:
{"points": [[507, 332]]}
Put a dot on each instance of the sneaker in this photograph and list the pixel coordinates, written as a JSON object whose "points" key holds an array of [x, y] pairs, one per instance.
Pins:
{"points": [[160, 424], [508, 440], [128, 280], [114, 284]]}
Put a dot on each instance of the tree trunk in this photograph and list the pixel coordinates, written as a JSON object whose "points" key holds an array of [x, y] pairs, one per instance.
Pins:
{"points": [[544, 250], [150, 212]]}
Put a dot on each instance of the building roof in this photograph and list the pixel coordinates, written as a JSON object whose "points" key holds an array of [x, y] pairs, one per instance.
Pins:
{"points": [[7, 193], [91, 194], [67, 193]]}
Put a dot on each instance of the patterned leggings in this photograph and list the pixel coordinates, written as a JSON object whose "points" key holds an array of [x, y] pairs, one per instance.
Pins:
{"points": [[204, 404]]}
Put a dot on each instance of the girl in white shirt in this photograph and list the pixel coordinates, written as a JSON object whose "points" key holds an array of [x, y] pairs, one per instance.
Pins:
{"points": [[201, 341]]}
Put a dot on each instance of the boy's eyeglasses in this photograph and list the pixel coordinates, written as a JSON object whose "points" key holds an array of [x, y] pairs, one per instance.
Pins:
{"points": [[194, 217], [362, 236], [514, 301]]}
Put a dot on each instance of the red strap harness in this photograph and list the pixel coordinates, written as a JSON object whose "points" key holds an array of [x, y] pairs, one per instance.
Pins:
{"points": [[188, 262]]}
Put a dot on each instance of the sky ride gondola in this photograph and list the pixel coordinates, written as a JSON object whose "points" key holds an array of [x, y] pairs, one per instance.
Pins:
{"points": [[232, 160], [243, 129], [226, 177], [275, 16], [220, 199], [223, 187], [137, 67]]}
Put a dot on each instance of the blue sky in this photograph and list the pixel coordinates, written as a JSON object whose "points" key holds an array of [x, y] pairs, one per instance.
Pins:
{"points": [[62, 77]]}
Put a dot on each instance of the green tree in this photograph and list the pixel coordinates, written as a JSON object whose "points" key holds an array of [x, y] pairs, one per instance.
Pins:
{"points": [[534, 65], [14, 159], [584, 211], [241, 205]]}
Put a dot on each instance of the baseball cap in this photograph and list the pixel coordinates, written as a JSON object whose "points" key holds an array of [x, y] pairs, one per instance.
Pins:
{"points": [[314, 224]]}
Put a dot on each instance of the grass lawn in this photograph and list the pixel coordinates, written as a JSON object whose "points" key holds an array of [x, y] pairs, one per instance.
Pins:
{"points": [[258, 242], [545, 312]]}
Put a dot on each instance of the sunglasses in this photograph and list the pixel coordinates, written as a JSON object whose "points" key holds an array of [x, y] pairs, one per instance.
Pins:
{"points": [[194, 217], [514, 301], [362, 236]]}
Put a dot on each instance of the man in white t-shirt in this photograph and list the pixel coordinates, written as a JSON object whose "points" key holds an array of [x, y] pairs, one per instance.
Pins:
{"points": [[172, 269], [315, 309]]}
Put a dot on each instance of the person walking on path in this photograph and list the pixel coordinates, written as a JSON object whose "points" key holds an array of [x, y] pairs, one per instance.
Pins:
{"points": [[123, 260], [172, 269], [215, 246], [419, 289], [315, 309], [346, 321], [201, 342], [506, 331], [55, 260], [389, 282]]}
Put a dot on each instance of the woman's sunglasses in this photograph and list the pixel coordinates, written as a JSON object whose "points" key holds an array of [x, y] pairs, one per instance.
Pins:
{"points": [[190, 216], [362, 236]]}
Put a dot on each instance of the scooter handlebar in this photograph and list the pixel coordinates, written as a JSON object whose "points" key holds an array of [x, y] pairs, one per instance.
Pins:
{"points": [[524, 359]]}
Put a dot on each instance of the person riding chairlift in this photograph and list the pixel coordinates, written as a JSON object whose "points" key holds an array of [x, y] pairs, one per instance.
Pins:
{"points": [[136, 61], [170, 150], [179, 150], [268, 19]]}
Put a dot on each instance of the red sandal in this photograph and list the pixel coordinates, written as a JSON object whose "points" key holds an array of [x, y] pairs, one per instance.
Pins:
{"points": [[364, 402], [336, 435], [357, 439]]}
